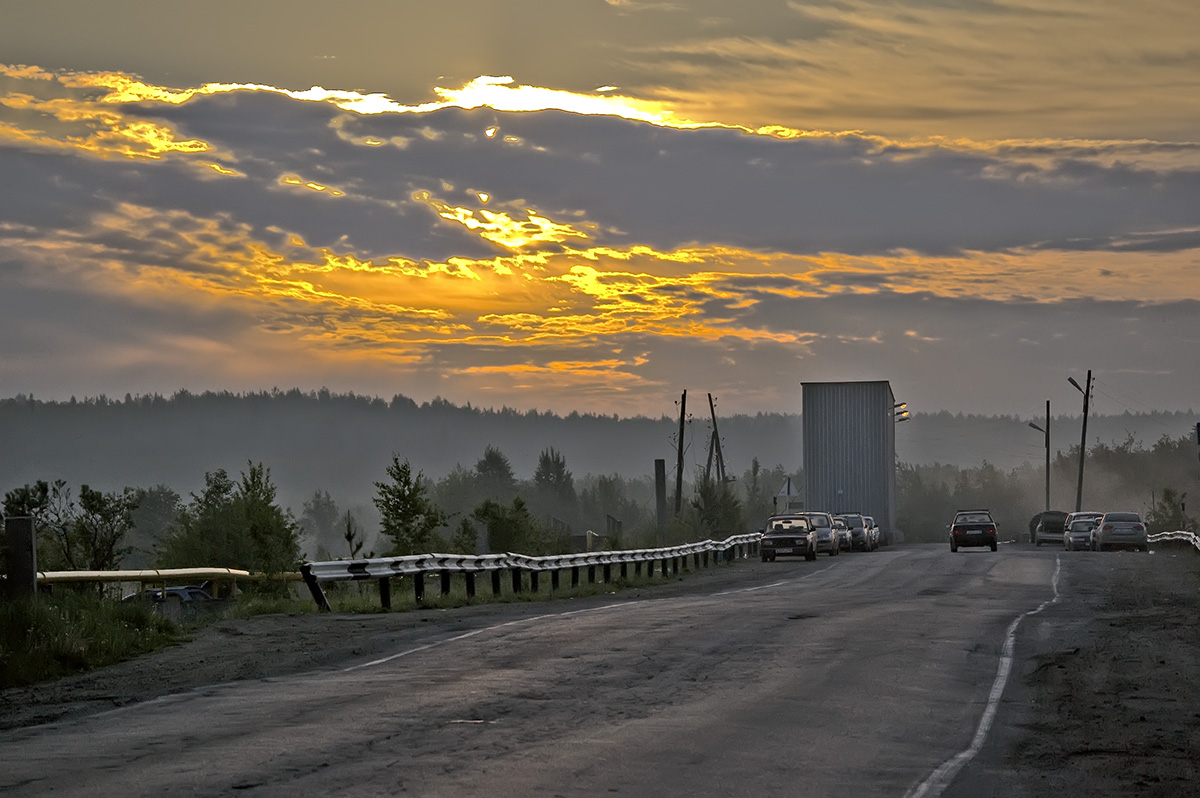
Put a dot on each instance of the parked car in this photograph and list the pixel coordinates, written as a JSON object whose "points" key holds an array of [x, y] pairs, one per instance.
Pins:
{"points": [[1079, 529], [845, 543], [876, 532], [972, 528], [788, 536], [1121, 531], [827, 538], [1050, 527], [862, 536], [187, 594]]}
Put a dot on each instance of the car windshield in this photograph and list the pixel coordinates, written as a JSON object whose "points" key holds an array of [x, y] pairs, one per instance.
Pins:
{"points": [[853, 520], [820, 521], [973, 518], [789, 525], [1082, 525], [1123, 517]]}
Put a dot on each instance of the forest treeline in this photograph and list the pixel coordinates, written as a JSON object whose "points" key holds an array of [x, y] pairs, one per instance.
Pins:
{"points": [[194, 479]]}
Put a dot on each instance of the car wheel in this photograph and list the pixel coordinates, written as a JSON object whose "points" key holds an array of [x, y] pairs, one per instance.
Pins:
{"points": [[810, 555], [993, 545], [953, 545]]}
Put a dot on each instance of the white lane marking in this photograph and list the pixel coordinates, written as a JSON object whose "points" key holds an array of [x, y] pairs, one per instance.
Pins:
{"points": [[473, 632], [773, 584], [940, 779]]}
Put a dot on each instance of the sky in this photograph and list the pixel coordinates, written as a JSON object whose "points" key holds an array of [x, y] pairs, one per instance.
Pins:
{"points": [[594, 205]]}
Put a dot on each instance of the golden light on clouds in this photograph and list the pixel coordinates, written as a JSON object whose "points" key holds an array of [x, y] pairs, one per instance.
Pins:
{"points": [[296, 180], [500, 227]]}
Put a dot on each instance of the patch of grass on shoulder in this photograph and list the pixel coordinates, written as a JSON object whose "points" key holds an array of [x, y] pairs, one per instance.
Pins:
{"points": [[68, 632]]}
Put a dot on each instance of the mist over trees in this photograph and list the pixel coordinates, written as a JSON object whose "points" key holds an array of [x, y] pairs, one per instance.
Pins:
{"points": [[359, 471]]}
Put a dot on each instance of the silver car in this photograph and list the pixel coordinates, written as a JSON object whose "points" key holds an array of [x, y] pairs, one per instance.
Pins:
{"points": [[1121, 531], [1079, 529], [827, 536]]}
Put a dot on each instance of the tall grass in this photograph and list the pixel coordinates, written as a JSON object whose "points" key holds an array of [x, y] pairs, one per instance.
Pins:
{"points": [[56, 635]]}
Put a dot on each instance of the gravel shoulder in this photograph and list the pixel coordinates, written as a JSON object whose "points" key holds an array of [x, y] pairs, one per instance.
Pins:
{"points": [[1102, 699]]}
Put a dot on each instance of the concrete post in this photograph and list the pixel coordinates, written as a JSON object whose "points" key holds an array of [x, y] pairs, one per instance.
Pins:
{"points": [[22, 557]]}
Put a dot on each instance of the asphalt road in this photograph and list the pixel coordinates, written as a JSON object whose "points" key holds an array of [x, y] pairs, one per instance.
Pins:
{"points": [[855, 675]]}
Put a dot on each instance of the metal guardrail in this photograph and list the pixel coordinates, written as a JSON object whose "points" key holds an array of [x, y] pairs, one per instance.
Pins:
{"points": [[417, 566], [1189, 537]]}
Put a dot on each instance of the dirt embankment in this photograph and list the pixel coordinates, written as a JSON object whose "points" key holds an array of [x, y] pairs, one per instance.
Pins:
{"points": [[1116, 692]]}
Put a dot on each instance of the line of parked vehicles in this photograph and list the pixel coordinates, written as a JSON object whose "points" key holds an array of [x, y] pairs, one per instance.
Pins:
{"points": [[807, 534], [1079, 531], [1090, 530]]}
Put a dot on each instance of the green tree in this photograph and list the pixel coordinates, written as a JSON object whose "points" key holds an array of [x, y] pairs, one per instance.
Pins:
{"points": [[84, 536], [52, 510], [463, 541], [234, 525], [319, 520], [154, 519], [100, 527], [552, 476], [496, 474], [352, 535], [273, 534], [407, 514], [720, 512], [513, 529], [1167, 513]]}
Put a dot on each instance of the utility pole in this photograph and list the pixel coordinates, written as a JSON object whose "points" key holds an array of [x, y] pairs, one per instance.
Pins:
{"points": [[1046, 431], [1087, 395], [715, 445], [1048, 454], [679, 455]]}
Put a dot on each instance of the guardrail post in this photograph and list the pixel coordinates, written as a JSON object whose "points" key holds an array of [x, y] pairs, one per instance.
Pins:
{"points": [[664, 568], [554, 577], [591, 574], [470, 580], [637, 569], [533, 581], [706, 558], [314, 587], [607, 574], [419, 586], [445, 583], [385, 592], [575, 576], [516, 580], [624, 570], [496, 583]]}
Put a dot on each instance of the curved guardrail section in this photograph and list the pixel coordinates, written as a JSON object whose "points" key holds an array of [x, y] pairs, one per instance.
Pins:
{"points": [[417, 566], [1190, 537]]}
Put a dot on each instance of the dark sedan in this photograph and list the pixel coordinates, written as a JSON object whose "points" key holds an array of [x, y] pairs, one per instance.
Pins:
{"points": [[973, 528]]}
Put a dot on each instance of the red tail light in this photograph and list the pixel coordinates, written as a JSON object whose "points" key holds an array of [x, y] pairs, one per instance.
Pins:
{"points": [[1108, 527], [1138, 527]]}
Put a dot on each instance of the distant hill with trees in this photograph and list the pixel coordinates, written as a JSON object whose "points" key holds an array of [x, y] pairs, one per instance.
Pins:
{"points": [[326, 454]]}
